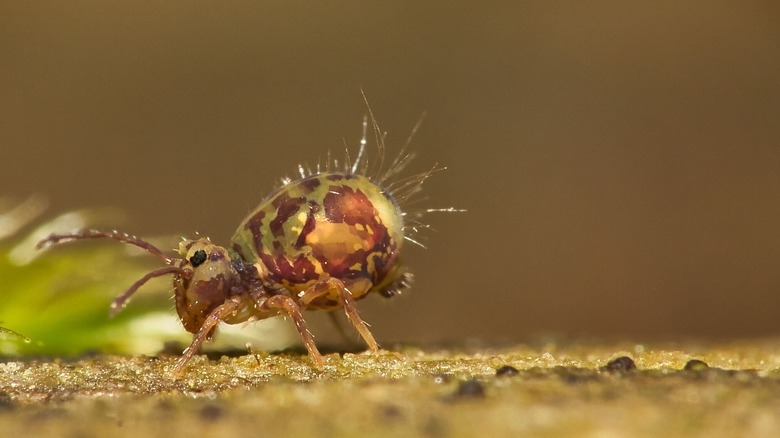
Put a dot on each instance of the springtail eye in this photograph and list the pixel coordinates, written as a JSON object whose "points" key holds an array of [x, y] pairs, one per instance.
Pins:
{"points": [[198, 258]]}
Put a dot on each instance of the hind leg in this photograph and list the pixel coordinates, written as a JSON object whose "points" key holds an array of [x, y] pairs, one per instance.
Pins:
{"points": [[322, 288], [288, 307]]}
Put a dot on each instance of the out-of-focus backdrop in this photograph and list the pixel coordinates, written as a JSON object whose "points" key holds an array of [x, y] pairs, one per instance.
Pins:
{"points": [[620, 162]]}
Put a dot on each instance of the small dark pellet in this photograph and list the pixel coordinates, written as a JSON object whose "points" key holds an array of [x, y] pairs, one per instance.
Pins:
{"points": [[696, 365], [507, 371], [620, 365]]}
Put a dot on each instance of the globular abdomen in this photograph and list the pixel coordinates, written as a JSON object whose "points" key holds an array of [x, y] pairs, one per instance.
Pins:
{"points": [[328, 225]]}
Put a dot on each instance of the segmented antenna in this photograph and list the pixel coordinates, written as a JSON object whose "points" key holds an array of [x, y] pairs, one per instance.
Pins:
{"points": [[55, 239], [174, 263], [120, 301]]}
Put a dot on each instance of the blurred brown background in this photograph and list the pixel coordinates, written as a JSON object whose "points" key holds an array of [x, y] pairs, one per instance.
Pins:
{"points": [[619, 161]]}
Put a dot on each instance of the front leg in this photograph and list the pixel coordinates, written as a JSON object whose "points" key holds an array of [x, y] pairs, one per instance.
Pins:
{"points": [[323, 287], [215, 317]]}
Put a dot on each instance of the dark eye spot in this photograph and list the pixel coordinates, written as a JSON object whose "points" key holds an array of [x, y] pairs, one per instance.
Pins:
{"points": [[198, 258]]}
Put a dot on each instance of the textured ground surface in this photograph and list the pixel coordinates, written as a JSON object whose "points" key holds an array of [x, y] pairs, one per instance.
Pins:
{"points": [[558, 389]]}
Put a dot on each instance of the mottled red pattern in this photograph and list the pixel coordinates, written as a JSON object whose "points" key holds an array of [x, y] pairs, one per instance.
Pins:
{"points": [[286, 207], [340, 204], [343, 204], [255, 226], [300, 271], [311, 223], [270, 263]]}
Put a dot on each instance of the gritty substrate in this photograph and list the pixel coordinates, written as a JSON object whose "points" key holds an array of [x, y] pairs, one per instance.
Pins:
{"points": [[543, 389]]}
